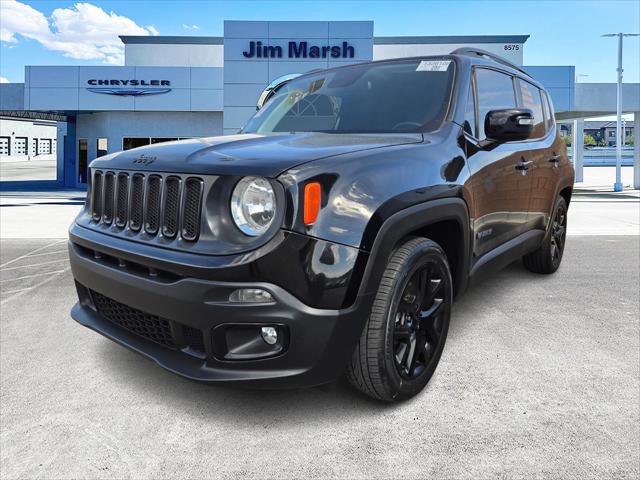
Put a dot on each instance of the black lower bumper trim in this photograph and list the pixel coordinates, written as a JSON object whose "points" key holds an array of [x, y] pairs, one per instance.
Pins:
{"points": [[319, 346]]}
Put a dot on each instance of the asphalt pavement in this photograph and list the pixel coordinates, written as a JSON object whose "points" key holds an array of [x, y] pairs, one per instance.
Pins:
{"points": [[33, 169], [539, 378]]}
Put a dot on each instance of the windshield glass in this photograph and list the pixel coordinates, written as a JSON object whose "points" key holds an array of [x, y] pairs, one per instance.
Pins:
{"points": [[399, 96]]}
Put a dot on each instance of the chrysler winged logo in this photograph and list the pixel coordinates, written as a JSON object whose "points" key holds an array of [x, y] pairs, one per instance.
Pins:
{"points": [[145, 160], [136, 87], [128, 92]]}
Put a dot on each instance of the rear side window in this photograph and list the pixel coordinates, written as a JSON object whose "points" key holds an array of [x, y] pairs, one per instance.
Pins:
{"points": [[470, 114], [548, 111], [530, 97], [495, 92]]}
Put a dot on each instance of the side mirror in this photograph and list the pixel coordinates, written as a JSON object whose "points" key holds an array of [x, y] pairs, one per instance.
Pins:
{"points": [[273, 88], [509, 125]]}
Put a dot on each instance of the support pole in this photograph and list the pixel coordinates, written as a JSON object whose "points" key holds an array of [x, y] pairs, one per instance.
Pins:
{"points": [[577, 143], [617, 187], [636, 150]]}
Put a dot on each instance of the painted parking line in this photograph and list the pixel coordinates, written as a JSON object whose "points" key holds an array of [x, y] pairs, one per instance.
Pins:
{"points": [[32, 252], [35, 275], [20, 293], [48, 253], [35, 264]]}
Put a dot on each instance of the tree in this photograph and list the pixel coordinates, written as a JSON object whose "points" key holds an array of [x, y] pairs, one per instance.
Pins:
{"points": [[567, 140], [589, 140], [631, 140]]}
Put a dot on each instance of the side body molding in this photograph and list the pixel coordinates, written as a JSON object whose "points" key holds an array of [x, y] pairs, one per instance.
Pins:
{"points": [[408, 220]]}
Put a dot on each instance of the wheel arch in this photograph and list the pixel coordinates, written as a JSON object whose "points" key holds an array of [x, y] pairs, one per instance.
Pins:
{"points": [[566, 193], [445, 221]]}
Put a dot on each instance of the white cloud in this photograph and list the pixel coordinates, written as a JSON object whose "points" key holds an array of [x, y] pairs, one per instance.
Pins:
{"points": [[190, 27], [85, 32], [4, 80]]}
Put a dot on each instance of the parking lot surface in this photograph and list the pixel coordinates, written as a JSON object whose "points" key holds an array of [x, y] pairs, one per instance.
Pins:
{"points": [[539, 378], [33, 169]]}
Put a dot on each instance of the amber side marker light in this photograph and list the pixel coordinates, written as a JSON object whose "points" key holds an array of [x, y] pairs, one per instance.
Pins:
{"points": [[312, 196]]}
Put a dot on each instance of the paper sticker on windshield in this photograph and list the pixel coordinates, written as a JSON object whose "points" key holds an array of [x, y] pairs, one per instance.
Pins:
{"points": [[433, 66]]}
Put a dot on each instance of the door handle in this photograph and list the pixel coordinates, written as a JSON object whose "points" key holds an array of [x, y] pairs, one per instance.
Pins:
{"points": [[555, 158], [523, 166]]}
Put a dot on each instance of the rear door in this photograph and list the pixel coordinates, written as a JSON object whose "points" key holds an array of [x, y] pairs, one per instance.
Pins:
{"points": [[501, 187], [544, 154]]}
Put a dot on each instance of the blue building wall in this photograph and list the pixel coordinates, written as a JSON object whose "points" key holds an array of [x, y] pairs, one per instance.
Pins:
{"points": [[559, 82]]}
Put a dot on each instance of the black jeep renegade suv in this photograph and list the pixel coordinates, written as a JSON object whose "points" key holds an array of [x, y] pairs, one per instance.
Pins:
{"points": [[333, 232]]}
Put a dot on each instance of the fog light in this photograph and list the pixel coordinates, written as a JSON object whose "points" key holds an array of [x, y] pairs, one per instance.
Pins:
{"points": [[269, 335], [250, 295]]}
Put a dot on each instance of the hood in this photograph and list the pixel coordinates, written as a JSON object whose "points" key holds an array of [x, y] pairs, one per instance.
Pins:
{"points": [[247, 154]]}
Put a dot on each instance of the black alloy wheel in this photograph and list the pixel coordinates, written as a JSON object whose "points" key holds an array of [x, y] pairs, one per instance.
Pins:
{"points": [[558, 234], [547, 258], [418, 321], [402, 342]]}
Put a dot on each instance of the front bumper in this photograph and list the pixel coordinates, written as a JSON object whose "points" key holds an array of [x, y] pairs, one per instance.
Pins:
{"points": [[319, 341]]}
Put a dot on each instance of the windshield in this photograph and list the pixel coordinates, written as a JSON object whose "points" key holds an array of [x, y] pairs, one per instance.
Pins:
{"points": [[399, 96]]}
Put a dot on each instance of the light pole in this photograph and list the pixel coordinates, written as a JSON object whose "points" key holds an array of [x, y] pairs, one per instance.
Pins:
{"points": [[617, 187]]}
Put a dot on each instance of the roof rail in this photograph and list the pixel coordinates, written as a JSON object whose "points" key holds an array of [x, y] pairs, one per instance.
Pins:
{"points": [[483, 53]]}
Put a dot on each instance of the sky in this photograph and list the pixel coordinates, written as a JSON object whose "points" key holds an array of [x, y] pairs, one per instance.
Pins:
{"points": [[56, 32]]}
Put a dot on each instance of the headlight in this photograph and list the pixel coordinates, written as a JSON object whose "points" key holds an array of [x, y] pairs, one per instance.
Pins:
{"points": [[253, 205]]}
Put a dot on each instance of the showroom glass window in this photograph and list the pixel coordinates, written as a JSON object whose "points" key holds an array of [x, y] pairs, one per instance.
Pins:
{"points": [[134, 142], [530, 97], [494, 92], [395, 96]]}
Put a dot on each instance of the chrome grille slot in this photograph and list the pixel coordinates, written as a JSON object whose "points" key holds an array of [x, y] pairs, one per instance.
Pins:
{"points": [[96, 200], [109, 197], [171, 206], [191, 209], [122, 202], [137, 202]]}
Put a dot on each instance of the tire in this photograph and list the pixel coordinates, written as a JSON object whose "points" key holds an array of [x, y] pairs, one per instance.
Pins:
{"points": [[398, 350], [547, 258]]}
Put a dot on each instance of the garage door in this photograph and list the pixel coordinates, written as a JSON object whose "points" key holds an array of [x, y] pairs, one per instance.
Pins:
{"points": [[44, 146], [4, 145], [20, 146]]}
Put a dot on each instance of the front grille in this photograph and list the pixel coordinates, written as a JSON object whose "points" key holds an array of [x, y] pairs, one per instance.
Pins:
{"points": [[137, 202], [143, 324], [171, 207], [148, 203], [96, 200], [152, 210], [122, 203], [192, 202], [109, 187]]}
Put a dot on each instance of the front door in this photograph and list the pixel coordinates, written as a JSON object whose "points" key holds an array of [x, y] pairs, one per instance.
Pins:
{"points": [[499, 177]]}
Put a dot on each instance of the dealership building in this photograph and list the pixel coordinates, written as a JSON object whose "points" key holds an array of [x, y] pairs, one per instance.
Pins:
{"points": [[182, 87]]}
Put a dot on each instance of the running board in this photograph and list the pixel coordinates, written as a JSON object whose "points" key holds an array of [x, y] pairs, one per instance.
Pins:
{"points": [[507, 253]]}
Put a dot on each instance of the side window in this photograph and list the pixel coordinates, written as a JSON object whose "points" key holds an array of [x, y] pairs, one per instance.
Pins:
{"points": [[495, 92], [531, 99], [549, 115], [470, 115]]}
